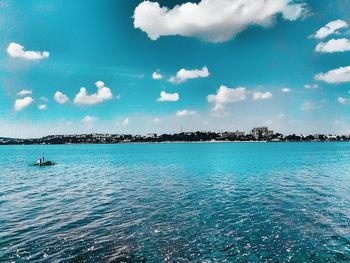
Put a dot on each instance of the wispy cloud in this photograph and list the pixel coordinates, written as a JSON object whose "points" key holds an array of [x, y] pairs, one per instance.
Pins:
{"points": [[182, 113]]}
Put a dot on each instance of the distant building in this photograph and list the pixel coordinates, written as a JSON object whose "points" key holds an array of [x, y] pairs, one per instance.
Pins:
{"points": [[261, 132], [239, 133], [151, 135]]}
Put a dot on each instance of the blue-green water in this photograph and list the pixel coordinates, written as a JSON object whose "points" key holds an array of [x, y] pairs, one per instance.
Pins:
{"points": [[234, 202]]}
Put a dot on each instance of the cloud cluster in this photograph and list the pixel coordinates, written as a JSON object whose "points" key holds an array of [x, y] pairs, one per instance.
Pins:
{"points": [[212, 20], [60, 98], [168, 96], [333, 45], [257, 95], [17, 51], [103, 94], [182, 113], [184, 74], [332, 27], [225, 95], [21, 104], [335, 76]]}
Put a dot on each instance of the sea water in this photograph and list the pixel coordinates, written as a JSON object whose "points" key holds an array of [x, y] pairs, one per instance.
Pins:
{"points": [[200, 202]]}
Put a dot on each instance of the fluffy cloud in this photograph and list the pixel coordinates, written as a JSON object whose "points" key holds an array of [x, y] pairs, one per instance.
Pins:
{"points": [[182, 113], [184, 74], [257, 95], [103, 94], [212, 20], [335, 76], [60, 97], [343, 101], [89, 120], [333, 45], [330, 28], [285, 90], [42, 107], [24, 92], [20, 104], [227, 95], [157, 120], [168, 96], [17, 51], [157, 75]]}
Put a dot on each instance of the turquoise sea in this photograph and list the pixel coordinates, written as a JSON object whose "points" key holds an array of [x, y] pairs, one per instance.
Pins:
{"points": [[205, 202]]}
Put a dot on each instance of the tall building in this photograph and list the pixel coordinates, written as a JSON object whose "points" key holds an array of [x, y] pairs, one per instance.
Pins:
{"points": [[239, 133], [261, 132]]}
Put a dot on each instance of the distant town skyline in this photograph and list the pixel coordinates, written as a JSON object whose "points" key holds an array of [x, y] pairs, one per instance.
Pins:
{"points": [[138, 67]]}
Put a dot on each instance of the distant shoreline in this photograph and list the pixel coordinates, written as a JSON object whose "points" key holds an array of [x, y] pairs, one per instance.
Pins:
{"points": [[258, 135], [174, 142]]}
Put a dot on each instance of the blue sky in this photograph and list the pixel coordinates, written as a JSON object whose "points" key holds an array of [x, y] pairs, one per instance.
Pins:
{"points": [[234, 71]]}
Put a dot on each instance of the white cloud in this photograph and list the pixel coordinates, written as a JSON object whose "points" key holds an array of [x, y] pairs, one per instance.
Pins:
{"points": [[20, 104], [60, 97], [103, 94], [257, 95], [309, 105], [157, 75], [311, 86], [42, 107], [333, 45], [182, 113], [212, 20], [89, 120], [286, 90], [24, 92], [157, 120], [126, 122], [227, 95], [168, 96], [184, 74], [330, 28], [339, 75], [343, 101], [17, 51]]}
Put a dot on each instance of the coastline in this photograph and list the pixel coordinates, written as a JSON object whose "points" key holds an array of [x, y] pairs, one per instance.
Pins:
{"points": [[176, 142]]}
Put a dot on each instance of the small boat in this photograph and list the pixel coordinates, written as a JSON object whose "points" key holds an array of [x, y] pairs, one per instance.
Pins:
{"points": [[43, 162]]}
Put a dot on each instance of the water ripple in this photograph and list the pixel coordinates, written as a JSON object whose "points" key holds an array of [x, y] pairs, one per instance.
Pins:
{"points": [[176, 202]]}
